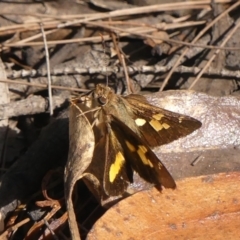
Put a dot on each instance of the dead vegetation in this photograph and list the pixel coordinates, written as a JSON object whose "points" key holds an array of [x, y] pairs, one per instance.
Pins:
{"points": [[52, 50]]}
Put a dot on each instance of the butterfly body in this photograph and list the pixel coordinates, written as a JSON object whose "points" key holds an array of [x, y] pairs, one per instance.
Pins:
{"points": [[127, 127]]}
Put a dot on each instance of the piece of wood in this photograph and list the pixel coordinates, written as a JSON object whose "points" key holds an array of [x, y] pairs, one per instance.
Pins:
{"points": [[205, 207]]}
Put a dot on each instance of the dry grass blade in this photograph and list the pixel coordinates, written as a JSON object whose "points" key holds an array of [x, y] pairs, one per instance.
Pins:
{"points": [[152, 42], [234, 6], [215, 54], [48, 70]]}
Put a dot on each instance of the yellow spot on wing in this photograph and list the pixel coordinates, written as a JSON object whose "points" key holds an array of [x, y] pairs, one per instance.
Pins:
{"points": [[165, 125], [158, 116], [116, 166], [142, 150], [140, 121], [130, 146], [156, 125]]}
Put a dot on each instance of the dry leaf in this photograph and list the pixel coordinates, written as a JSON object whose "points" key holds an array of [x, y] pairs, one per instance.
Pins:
{"points": [[153, 42], [205, 207], [157, 44], [81, 146]]}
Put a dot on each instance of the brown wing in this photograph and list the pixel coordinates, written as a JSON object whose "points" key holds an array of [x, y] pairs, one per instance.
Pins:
{"points": [[157, 125], [138, 155], [117, 173]]}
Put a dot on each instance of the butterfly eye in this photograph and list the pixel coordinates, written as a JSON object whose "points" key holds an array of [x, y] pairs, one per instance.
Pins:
{"points": [[102, 100]]}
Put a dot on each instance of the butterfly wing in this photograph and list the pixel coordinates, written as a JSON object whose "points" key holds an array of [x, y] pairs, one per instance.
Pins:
{"points": [[131, 153], [118, 172], [157, 125]]}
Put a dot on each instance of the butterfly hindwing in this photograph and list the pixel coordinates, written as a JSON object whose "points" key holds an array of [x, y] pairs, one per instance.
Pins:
{"points": [[118, 173], [138, 156]]}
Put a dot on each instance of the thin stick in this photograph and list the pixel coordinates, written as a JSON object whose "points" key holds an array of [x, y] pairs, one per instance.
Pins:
{"points": [[121, 32], [123, 63], [14, 228], [195, 40], [214, 55], [48, 71], [125, 70], [44, 85], [104, 53], [193, 44], [142, 10], [50, 229], [197, 160], [122, 12]]}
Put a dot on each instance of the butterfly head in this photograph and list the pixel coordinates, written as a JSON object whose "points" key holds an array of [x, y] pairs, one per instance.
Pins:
{"points": [[102, 94]]}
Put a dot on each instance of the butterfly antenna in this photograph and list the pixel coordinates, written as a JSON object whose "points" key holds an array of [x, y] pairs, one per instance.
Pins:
{"points": [[88, 111], [79, 109]]}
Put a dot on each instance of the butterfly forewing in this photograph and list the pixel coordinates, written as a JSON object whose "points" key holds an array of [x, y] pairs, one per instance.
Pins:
{"points": [[159, 126]]}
